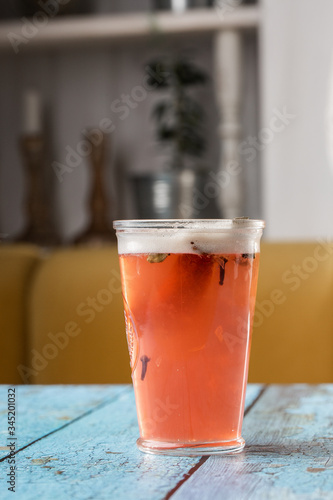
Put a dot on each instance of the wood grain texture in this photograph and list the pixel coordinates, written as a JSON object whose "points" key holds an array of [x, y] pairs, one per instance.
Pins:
{"points": [[95, 457], [41, 410], [288, 453]]}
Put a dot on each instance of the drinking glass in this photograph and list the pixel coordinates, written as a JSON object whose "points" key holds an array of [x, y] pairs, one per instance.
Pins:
{"points": [[189, 289]]}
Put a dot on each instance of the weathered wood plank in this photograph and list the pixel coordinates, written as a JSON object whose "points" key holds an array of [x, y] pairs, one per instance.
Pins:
{"points": [[253, 392], [42, 409], [96, 457], [288, 454]]}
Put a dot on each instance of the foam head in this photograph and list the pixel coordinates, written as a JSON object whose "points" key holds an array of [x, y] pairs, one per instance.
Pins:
{"points": [[189, 236]]}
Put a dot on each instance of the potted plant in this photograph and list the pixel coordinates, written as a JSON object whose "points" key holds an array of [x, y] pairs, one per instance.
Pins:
{"points": [[179, 129]]}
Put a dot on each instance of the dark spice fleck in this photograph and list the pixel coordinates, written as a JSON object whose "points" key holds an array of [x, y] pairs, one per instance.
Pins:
{"points": [[223, 262], [248, 255], [198, 249], [144, 360]]}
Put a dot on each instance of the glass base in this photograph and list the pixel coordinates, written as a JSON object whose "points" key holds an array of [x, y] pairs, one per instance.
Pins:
{"points": [[188, 450]]}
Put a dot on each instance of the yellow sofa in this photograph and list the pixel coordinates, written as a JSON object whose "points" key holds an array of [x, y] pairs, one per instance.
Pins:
{"points": [[76, 323], [293, 324], [62, 316], [17, 266]]}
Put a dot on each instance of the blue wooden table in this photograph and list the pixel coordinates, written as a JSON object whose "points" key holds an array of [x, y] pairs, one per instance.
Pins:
{"points": [[71, 442]]}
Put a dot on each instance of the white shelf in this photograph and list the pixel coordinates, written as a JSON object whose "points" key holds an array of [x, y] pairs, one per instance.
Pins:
{"points": [[85, 30]]}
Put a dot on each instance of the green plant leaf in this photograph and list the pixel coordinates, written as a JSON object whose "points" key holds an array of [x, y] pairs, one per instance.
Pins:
{"points": [[161, 108], [191, 142], [158, 75], [189, 74], [166, 133]]}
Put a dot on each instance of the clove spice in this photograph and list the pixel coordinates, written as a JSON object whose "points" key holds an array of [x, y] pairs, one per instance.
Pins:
{"points": [[144, 360], [222, 262]]}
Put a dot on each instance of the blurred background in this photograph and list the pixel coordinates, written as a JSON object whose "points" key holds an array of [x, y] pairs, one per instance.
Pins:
{"points": [[86, 68], [154, 109]]}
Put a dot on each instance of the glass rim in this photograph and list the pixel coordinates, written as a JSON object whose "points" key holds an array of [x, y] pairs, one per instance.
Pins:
{"points": [[189, 224]]}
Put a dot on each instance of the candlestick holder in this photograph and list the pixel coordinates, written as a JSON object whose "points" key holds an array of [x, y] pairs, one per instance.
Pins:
{"points": [[39, 228], [99, 230]]}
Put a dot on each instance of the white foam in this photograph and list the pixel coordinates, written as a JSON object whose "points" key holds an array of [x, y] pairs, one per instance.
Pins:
{"points": [[184, 241]]}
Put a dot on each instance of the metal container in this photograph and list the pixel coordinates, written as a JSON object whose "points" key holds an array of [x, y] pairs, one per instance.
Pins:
{"points": [[171, 195], [173, 5]]}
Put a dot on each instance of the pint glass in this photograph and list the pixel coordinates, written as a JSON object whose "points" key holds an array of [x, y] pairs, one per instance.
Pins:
{"points": [[189, 289]]}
